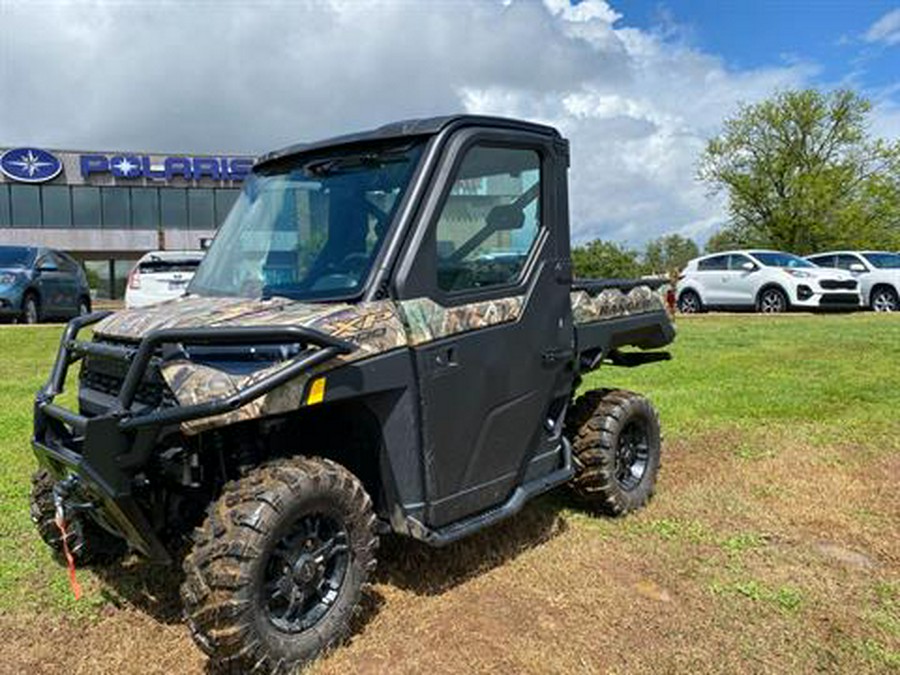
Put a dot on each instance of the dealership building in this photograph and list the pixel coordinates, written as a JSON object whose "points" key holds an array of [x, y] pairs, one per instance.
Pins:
{"points": [[109, 208]]}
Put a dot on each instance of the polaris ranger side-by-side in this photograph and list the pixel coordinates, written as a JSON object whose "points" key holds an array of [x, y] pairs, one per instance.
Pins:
{"points": [[385, 336]]}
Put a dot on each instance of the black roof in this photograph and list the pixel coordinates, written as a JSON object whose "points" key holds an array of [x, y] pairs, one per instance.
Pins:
{"points": [[427, 126]]}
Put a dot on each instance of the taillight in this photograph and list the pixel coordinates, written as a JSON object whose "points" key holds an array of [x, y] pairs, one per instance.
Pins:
{"points": [[134, 279]]}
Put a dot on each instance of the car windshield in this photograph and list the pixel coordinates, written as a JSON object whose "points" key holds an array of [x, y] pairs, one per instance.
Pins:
{"points": [[775, 259], [884, 261], [308, 227], [15, 256]]}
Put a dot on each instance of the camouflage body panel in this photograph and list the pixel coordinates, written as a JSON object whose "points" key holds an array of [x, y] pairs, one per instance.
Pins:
{"points": [[374, 327], [426, 320], [611, 303]]}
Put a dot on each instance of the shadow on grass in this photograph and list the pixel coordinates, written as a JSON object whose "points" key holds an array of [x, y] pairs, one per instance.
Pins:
{"points": [[403, 562], [424, 570]]}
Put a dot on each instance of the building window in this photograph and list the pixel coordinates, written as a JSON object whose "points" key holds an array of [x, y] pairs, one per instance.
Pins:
{"points": [[86, 207], [200, 209], [4, 205], [57, 206], [26, 205], [145, 208], [225, 199], [173, 208], [115, 207]]}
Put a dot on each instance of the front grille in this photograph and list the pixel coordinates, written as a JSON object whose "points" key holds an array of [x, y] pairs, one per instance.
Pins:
{"points": [[106, 376], [833, 284], [839, 299]]}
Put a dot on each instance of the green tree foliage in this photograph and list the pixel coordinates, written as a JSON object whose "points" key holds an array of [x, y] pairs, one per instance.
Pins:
{"points": [[600, 259], [669, 254], [802, 174]]}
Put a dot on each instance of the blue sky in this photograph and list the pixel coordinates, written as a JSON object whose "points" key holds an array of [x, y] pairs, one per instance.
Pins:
{"points": [[829, 34]]}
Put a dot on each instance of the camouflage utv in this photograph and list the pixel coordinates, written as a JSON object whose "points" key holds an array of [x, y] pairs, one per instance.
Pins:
{"points": [[384, 337]]}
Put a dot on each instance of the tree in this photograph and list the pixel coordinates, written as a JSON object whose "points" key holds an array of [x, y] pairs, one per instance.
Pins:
{"points": [[669, 253], [802, 174], [604, 260]]}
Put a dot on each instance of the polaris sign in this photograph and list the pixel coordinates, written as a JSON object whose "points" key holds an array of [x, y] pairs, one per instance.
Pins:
{"points": [[189, 168]]}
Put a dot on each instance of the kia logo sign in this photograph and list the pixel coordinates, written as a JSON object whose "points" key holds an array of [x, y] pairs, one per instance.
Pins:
{"points": [[29, 165]]}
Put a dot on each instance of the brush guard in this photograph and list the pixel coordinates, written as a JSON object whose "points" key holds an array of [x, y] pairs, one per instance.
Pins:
{"points": [[106, 451]]}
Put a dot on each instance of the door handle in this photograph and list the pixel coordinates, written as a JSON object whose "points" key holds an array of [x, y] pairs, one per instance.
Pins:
{"points": [[550, 356]]}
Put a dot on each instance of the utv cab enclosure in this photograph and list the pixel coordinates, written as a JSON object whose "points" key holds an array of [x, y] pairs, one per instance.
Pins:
{"points": [[385, 336]]}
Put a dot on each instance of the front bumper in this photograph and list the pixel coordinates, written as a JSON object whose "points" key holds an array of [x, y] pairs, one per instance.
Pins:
{"points": [[109, 449]]}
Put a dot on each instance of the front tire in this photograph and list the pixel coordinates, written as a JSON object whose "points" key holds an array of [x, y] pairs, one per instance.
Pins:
{"points": [[88, 543], [885, 299], [772, 301], [31, 310], [277, 569], [616, 444]]}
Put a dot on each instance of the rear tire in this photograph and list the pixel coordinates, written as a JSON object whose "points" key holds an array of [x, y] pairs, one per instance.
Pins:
{"points": [[89, 543], [615, 438], [277, 569], [772, 301], [689, 303], [84, 307]]}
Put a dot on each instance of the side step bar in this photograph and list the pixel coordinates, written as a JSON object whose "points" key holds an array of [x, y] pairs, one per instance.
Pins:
{"points": [[520, 496]]}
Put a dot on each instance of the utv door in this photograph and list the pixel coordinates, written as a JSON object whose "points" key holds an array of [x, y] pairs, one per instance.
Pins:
{"points": [[487, 294]]}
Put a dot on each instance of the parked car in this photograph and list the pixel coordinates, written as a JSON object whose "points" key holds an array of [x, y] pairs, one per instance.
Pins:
{"points": [[37, 284], [878, 273], [160, 276], [768, 281]]}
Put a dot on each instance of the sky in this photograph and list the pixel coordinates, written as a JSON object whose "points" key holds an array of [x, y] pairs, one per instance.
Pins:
{"points": [[637, 86]]}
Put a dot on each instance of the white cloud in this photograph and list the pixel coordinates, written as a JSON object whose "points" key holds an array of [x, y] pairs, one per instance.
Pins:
{"points": [[636, 105], [886, 30]]}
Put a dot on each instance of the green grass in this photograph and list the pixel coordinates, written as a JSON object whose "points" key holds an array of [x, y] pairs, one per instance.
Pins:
{"points": [[833, 374]]}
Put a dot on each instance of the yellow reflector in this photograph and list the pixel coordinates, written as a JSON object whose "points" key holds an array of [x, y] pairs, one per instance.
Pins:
{"points": [[316, 391]]}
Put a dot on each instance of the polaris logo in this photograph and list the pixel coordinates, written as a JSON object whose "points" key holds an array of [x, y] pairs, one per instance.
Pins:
{"points": [[29, 165]]}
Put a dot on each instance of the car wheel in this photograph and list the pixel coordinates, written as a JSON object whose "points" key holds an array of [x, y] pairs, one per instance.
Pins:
{"points": [[885, 299], [772, 301], [83, 307], [689, 303], [31, 310]]}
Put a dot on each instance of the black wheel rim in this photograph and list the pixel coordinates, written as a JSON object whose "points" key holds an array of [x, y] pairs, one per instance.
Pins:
{"points": [[632, 455], [305, 572]]}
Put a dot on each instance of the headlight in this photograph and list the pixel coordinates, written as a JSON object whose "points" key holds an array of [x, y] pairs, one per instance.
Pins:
{"points": [[8, 278], [799, 274]]}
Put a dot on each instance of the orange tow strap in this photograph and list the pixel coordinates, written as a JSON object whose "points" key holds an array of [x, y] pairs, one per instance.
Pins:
{"points": [[70, 561]]}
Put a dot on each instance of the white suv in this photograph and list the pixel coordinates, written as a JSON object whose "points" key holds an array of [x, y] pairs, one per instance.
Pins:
{"points": [[769, 281], [878, 273], [160, 276]]}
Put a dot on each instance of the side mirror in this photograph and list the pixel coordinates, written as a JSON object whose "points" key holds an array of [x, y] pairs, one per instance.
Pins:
{"points": [[858, 267], [748, 266]]}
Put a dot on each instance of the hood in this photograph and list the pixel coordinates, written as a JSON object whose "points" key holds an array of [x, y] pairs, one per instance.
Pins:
{"points": [[374, 325]]}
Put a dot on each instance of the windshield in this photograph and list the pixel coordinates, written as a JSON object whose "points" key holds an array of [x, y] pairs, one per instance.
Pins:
{"points": [[884, 261], [15, 256], [309, 227], [773, 259]]}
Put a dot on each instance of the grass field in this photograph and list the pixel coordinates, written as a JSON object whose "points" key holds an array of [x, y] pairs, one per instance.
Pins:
{"points": [[771, 546]]}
